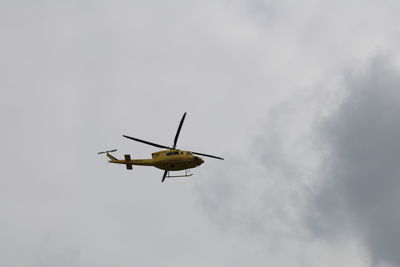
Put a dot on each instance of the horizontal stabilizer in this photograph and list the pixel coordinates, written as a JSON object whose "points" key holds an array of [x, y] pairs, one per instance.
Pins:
{"points": [[128, 162]]}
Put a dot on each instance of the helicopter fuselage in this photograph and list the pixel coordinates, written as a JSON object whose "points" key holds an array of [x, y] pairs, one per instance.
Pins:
{"points": [[168, 160]]}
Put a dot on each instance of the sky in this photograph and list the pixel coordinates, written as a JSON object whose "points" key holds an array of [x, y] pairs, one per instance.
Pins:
{"points": [[300, 98]]}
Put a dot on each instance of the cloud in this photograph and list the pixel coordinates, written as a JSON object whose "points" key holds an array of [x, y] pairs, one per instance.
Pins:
{"points": [[261, 197], [78, 75], [360, 187], [323, 168]]}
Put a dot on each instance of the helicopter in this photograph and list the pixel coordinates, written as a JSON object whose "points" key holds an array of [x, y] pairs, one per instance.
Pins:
{"points": [[171, 159]]}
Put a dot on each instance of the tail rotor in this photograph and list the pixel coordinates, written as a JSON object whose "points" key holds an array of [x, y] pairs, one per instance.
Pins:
{"points": [[108, 151]]}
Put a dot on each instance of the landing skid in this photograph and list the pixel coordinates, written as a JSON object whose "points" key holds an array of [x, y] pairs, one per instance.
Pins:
{"points": [[167, 175], [176, 176], [187, 174]]}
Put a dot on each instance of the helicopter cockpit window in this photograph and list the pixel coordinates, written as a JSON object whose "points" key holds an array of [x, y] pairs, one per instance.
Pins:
{"points": [[176, 153], [169, 153]]}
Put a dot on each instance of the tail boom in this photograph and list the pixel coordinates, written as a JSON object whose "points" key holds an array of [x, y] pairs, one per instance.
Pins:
{"points": [[129, 162]]}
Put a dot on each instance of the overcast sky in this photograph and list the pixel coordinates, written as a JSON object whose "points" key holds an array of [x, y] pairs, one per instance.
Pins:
{"points": [[301, 98]]}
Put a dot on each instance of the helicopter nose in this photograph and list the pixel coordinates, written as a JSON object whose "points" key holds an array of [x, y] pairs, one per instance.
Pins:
{"points": [[199, 160]]}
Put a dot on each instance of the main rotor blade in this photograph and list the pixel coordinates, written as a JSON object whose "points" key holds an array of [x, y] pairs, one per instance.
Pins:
{"points": [[163, 178], [205, 155], [179, 130], [146, 142]]}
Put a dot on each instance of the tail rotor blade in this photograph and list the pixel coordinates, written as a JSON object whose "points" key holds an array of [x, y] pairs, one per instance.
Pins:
{"points": [[108, 151], [179, 130]]}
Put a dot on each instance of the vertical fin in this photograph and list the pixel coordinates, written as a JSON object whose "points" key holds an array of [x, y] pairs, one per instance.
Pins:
{"points": [[110, 156]]}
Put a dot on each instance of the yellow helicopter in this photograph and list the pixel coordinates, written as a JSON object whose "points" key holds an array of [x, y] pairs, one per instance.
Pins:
{"points": [[168, 160]]}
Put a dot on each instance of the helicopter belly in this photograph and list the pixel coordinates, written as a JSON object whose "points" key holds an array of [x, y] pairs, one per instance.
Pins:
{"points": [[175, 165]]}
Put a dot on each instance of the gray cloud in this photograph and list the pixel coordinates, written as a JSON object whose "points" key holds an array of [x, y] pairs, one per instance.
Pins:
{"points": [[360, 189], [75, 75], [261, 196], [339, 170]]}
